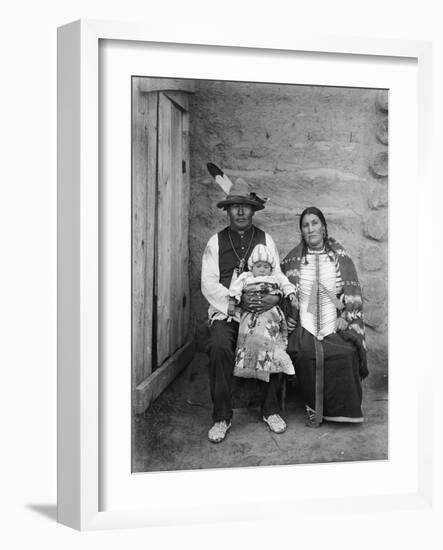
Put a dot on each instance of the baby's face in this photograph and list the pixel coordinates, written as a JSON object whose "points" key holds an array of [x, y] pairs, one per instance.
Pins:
{"points": [[261, 268]]}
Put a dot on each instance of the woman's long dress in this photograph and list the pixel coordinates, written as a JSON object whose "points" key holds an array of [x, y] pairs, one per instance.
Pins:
{"points": [[327, 366]]}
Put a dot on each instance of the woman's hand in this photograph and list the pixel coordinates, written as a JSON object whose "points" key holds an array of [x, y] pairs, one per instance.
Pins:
{"points": [[342, 324], [258, 304]]}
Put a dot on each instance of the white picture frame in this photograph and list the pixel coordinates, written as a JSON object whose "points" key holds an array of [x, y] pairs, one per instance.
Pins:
{"points": [[80, 413]]}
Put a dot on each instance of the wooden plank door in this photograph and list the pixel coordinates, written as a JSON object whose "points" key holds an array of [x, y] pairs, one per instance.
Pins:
{"points": [[160, 227], [172, 293], [144, 163]]}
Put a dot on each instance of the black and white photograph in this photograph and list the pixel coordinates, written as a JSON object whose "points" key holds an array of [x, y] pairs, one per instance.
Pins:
{"points": [[259, 274]]}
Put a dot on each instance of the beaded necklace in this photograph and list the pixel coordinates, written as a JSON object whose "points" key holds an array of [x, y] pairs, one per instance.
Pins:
{"points": [[242, 261]]}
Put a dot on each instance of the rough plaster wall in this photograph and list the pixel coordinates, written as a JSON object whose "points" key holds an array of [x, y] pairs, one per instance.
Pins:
{"points": [[300, 146]]}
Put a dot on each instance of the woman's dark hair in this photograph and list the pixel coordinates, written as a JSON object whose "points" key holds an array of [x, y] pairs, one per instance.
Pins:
{"points": [[317, 212]]}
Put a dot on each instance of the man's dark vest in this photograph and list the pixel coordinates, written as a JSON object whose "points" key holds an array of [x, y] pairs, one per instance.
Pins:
{"points": [[227, 260]]}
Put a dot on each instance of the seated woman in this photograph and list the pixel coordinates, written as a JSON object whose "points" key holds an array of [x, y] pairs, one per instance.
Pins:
{"points": [[328, 344]]}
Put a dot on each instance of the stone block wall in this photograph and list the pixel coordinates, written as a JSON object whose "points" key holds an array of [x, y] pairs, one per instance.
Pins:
{"points": [[300, 146]]}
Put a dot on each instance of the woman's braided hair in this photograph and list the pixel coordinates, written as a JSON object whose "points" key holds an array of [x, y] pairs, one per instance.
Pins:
{"points": [[317, 212]]}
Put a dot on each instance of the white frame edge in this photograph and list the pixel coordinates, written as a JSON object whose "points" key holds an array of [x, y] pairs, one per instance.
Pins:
{"points": [[78, 253], [68, 281]]}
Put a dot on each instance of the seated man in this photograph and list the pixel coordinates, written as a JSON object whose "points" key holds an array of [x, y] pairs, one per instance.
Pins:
{"points": [[225, 257]]}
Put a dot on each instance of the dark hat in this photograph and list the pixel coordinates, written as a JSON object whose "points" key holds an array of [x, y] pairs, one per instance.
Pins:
{"points": [[236, 193]]}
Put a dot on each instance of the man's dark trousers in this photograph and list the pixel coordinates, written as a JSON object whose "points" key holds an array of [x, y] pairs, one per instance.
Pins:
{"points": [[221, 366]]}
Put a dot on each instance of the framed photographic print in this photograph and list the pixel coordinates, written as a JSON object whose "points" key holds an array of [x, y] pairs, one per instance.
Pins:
{"points": [[285, 138], [185, 166]]}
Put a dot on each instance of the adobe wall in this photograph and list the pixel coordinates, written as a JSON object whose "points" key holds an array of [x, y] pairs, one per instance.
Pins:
{"points": [[300, 146]]}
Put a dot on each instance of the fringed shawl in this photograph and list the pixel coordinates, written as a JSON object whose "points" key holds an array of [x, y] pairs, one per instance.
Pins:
{"points": [[352, 297]]}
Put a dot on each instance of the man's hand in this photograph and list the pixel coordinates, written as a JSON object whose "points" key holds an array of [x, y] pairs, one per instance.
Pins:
{"points": [[292, 323], [258, 304], [342, 324]]}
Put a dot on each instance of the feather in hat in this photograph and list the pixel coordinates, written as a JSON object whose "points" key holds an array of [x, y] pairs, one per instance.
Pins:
{"points": [[220, 177], [235, 193]]}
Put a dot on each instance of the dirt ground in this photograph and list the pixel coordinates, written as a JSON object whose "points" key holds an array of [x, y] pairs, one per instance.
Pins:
{"points": [[172, 433]]}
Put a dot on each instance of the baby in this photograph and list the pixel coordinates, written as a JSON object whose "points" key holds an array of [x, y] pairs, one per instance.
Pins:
{"points": [[262, 337]]}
